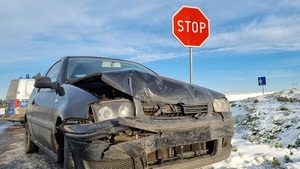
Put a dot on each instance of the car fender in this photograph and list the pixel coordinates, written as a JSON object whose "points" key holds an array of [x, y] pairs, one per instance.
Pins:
{"points": [[74, 103]]}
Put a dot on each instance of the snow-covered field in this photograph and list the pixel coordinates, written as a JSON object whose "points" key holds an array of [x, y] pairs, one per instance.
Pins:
{"points": [[267, 131]]}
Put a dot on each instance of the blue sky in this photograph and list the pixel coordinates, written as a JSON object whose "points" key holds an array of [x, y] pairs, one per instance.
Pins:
{"points": [[248, 39]]}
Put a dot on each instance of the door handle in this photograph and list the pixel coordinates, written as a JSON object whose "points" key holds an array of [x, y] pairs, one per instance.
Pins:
{"points": [[33, 102]]}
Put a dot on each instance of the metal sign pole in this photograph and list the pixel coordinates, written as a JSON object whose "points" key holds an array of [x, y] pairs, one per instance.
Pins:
{"points": [[196, 20], [191, 64]]}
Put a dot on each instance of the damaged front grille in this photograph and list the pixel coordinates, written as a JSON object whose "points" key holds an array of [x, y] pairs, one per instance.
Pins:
{"points": [[109, 164], [174, 110], [175, 153]]}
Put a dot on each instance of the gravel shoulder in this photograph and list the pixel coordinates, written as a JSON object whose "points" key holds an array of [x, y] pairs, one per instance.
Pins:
{"points": [[12, 154]]}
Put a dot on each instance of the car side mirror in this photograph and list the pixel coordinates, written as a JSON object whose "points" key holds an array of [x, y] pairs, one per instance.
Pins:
{"points": [[43, 82]]}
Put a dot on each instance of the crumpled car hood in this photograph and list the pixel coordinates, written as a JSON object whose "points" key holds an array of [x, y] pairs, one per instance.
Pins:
{"points": [[153, 88]]}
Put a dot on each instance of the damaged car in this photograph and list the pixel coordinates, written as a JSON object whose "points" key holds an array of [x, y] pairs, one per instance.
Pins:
{"points": [[94, 112]]}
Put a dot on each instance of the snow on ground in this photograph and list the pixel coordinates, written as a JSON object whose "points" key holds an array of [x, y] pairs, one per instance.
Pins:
{"points": [[240, 96], [267, 131]]}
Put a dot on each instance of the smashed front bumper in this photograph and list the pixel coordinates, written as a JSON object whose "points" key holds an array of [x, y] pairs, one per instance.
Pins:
{"points": [[181, 143]]}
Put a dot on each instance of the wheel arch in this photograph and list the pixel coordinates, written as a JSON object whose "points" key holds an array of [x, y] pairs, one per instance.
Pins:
{"points": [[59, 141]]}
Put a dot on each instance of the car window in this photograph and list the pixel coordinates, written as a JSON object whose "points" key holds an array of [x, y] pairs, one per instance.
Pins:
{"points": [[81, 67], [53, 72]]}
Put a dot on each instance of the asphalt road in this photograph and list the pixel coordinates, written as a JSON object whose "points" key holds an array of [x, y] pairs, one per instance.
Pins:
{"points": [[12, 154]]}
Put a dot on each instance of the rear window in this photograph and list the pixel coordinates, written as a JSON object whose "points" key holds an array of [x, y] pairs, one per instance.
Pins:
{"points": [[29, 87], [20, 89], [12, 89]]}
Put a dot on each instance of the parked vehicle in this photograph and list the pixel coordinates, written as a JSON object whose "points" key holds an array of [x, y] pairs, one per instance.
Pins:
{"points": [[93, 112], [17, 96], [2, 111]]}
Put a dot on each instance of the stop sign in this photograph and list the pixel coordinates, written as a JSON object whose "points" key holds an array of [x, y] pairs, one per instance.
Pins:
{"points": [[190, 26]]}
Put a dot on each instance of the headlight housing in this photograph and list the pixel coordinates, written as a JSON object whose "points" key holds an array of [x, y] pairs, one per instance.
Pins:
{"points": [[221, 105], [112, 109]]}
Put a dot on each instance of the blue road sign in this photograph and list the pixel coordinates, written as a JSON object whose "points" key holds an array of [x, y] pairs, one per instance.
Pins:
{"points": [[262, 81]]}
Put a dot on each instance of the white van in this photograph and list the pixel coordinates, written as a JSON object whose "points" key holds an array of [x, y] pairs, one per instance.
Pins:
{"points": [[17, 99]]}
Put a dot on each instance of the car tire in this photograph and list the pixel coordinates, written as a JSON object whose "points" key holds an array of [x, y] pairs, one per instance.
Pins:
{"points": [[68, 159], [28, 145]]}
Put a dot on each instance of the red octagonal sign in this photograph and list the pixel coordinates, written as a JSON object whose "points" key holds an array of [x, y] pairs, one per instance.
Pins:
{"points": [[190, 26]]}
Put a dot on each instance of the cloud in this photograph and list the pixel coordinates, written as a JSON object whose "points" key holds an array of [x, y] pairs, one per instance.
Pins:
{"points": [[271, 33], [246, 75], [34, 31], [290, 62], [50, 28], [137, 29], [281, 73]]}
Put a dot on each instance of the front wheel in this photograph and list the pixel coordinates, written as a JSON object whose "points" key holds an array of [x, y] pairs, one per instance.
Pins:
{"points": [[28, 145]]}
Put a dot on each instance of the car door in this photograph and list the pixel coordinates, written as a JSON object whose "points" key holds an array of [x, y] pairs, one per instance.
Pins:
{"points": [[42, 111]]}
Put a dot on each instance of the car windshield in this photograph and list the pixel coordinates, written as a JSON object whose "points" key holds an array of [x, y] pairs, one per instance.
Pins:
{"points": [[78, 67]]}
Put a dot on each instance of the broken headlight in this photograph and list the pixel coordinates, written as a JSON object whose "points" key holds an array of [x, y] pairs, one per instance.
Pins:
{"points": [[112, 109], [221, 105]]}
